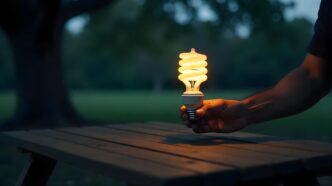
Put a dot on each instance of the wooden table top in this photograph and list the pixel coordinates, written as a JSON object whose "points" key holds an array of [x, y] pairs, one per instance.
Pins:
{"points": [[168, 154]]}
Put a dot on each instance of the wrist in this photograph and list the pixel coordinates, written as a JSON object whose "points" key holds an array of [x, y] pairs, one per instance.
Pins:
{"points": [[247, 104], [257, 111]]}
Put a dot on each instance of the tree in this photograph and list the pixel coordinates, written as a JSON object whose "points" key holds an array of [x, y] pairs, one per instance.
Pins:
{"points": [[34, 30], [151, 31]]}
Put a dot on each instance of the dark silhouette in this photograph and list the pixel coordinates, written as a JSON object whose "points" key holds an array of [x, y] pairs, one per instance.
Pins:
{"points": [[34, 30]]}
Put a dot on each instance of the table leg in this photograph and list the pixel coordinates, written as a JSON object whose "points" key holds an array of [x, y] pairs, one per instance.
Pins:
{"points": [[37, 171]]}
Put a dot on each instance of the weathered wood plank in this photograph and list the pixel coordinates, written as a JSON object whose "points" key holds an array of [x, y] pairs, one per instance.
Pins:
{"points": [[307, 145], [164, 154], [132, 170], [263, 143], [307, 160], [213, 174], [251, 167], [204, 143]]}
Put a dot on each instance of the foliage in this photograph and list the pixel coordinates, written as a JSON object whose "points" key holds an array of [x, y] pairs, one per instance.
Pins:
{"points": [[109, 106], [6, 67], [134, 44]]}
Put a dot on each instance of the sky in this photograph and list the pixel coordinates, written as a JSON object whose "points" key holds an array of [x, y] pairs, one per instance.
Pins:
{"points": [[303, 8]]}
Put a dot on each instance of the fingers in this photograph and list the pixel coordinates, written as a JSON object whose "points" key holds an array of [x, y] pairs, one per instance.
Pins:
{"points": [[200, 112], [183, 113], [196, 125], [184, 116], [211, 108], [196, 128], [199, 128], [221, 126], [213, 125], [187, 123], [208, 116], [203, 126]]}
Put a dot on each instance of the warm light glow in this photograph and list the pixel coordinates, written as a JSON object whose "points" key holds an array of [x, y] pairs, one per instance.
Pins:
{"points": [[193, 71]]}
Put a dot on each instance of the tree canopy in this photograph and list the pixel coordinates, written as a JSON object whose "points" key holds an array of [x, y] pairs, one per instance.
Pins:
{"points": [[135, 44]]}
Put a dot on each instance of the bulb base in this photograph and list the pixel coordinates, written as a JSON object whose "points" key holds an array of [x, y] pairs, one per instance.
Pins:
{"points": [[192, 115], [192, 102]]}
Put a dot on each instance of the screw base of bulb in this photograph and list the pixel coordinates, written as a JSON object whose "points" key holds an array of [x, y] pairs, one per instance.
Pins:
{"points": [[192, 102], [192, 114]]}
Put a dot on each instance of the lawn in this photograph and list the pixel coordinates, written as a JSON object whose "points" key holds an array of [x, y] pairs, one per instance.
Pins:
{"points": [[140, 106]]}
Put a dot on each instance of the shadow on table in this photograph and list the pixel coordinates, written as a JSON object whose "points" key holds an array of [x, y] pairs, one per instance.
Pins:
{"points": [[211, 140]]}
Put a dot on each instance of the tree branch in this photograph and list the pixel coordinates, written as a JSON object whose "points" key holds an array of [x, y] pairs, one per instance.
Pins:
{"points": [[72, 8]]}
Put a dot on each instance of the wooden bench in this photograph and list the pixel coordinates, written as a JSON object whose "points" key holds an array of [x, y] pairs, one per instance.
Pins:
{"points": [[167, 154]]}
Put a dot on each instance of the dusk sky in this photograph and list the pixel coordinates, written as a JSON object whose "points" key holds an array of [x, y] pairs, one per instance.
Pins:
{"points": [[303, 8]]}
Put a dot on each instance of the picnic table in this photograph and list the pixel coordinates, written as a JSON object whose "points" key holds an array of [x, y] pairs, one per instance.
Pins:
{"points": [[154, 154]]}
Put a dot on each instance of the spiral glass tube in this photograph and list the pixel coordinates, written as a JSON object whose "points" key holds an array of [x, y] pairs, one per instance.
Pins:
{"points": [[193, 71]]}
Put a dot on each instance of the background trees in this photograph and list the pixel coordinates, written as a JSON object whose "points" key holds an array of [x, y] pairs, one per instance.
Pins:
{"points": [[249, 44], [34, 30], [134, 44]]}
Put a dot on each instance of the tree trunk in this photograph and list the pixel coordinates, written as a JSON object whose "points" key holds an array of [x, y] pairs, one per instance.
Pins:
{"points": [[34, 29], [42, 98]]}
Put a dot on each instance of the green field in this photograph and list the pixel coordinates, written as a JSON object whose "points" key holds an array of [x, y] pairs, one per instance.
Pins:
{"points": [[126, 107]]}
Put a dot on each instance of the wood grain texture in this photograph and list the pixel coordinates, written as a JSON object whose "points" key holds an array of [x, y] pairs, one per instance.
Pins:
{"points": [[307, 145], [311, 160], [168, 154], [129, 169], [213, 174], [249, 162], [249, 168]]}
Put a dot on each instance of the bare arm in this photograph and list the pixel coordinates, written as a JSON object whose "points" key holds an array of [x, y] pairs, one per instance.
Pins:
{"points": [[296, 92]]}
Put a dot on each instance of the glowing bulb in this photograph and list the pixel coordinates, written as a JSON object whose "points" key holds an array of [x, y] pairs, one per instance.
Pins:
{"points": [[193, 71], [193, 74]]}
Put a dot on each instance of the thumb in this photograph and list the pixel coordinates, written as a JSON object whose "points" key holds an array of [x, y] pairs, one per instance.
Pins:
{"points": [[200, 112], [211, 108], [183, 108]]}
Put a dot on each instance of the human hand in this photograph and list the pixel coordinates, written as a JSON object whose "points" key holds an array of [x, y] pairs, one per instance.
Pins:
{"points": [[217, 115]]}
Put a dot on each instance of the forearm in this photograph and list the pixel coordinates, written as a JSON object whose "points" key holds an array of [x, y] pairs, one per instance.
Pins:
{"points": [[295, 93]]}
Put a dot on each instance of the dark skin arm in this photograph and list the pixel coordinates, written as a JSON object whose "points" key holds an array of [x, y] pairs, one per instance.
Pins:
{"points": [[296, 92]]}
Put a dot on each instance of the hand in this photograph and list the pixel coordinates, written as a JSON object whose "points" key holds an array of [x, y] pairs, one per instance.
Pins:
{"points": [[217, 115]]}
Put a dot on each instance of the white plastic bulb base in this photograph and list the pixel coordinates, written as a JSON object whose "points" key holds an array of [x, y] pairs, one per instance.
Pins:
{"points": [[192, 102]]}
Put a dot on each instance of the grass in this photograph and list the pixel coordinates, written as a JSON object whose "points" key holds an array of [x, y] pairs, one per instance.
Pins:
{"points": [[126, 107], [123, 107]]}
